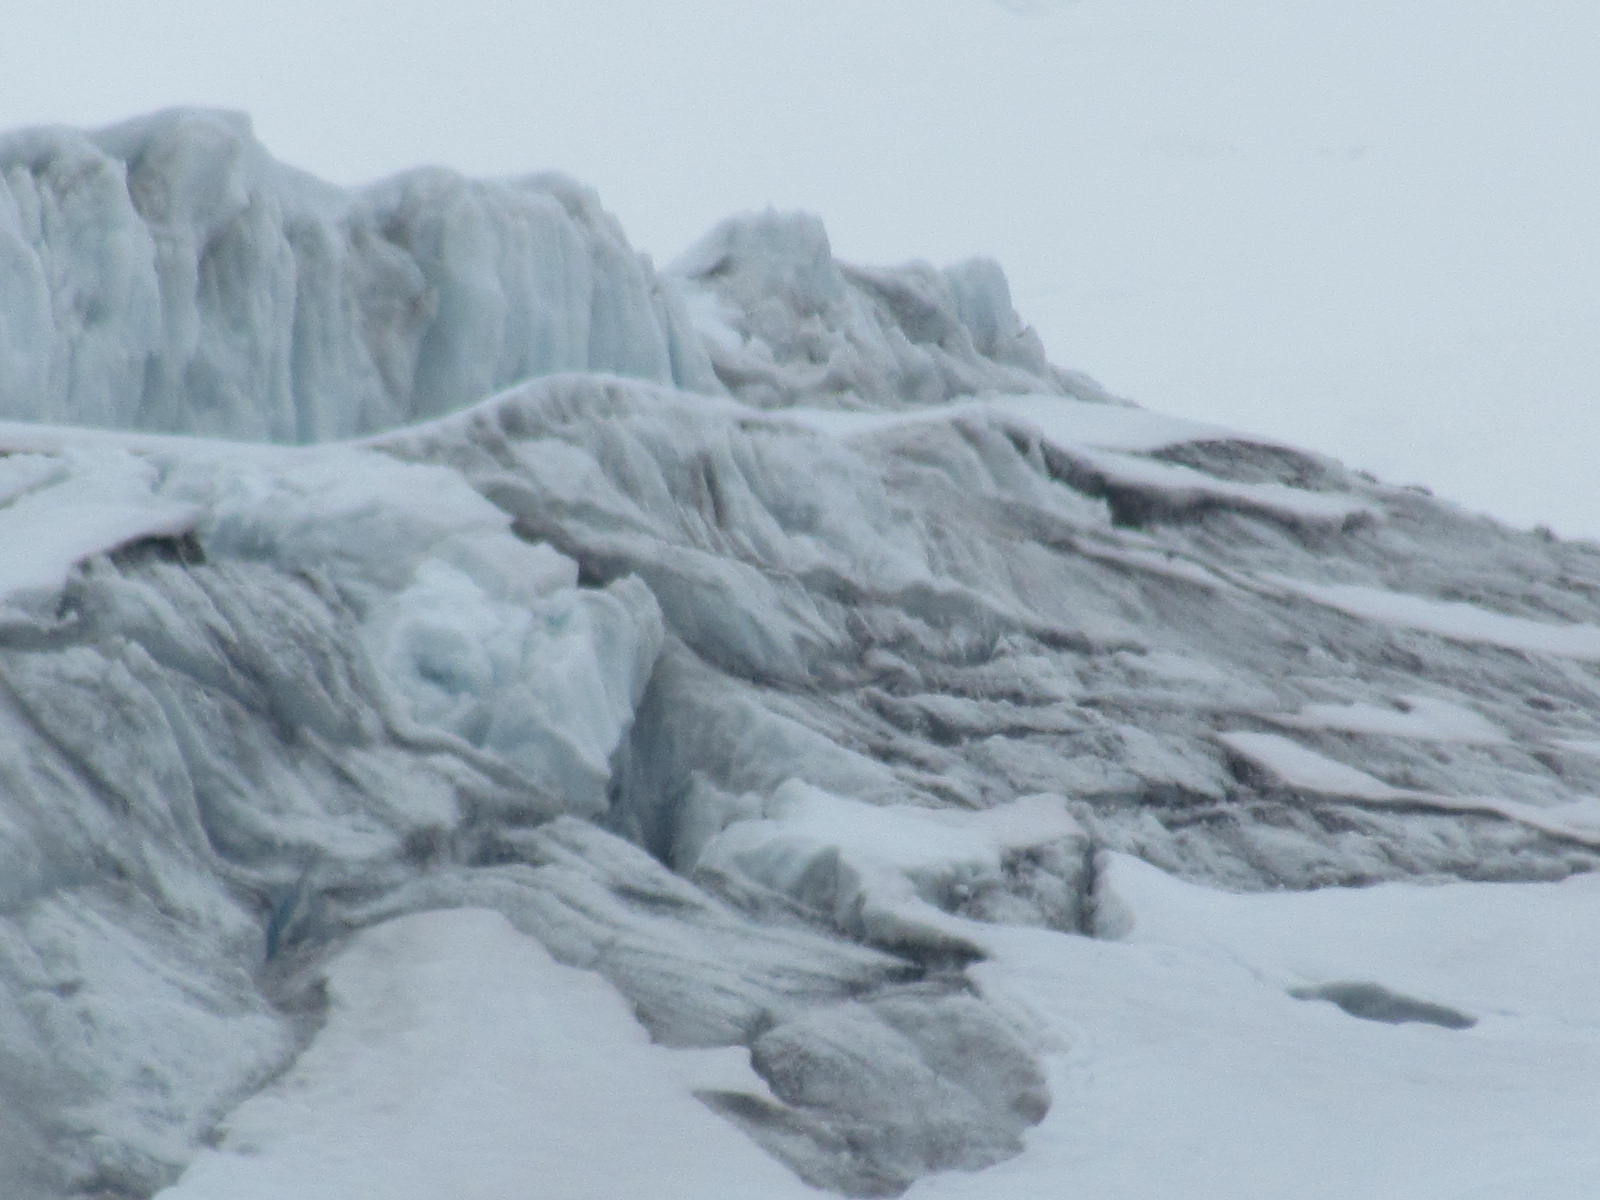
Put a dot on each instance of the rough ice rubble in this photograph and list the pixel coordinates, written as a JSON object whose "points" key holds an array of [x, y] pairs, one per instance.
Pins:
{"points": [[1083, 663], [785, 322], [361, 551], [475, 632], [913, 665], [355, 683], [249, 701], [670, 487], [479, 634]]}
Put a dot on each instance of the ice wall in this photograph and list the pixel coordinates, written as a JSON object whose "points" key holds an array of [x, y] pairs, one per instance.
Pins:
{"points": [[168, 274]]}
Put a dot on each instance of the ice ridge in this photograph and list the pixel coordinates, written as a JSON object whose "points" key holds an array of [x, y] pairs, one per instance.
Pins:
{"points": [[167, 274]]}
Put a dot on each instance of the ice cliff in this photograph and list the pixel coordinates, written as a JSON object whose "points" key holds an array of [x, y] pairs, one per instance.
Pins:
{"points": [[762, 635], [168, 275]]}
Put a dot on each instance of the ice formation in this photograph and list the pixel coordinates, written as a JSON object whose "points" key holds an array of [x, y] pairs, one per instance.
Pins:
{"points": [[433, 637], [167, 274]]}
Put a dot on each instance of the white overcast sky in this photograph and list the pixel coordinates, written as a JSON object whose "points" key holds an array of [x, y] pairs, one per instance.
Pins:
{"points": [[1365, 225]]}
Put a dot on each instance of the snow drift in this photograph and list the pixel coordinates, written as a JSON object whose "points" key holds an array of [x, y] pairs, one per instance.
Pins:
{"points": [[785, 644]]}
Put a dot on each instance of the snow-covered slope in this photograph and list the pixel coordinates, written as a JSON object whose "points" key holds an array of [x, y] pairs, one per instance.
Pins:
{"points": [[875, 718]]}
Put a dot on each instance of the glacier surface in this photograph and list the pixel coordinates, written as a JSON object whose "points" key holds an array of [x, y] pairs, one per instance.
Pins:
{"points": [[456, 679]]}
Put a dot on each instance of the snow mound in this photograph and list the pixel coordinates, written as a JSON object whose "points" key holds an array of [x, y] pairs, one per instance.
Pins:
{"points": [[1187, 1056], [57, 511]]}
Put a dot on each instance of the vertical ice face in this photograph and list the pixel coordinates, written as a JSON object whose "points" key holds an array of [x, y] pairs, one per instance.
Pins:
{"points": [[167, 274]]}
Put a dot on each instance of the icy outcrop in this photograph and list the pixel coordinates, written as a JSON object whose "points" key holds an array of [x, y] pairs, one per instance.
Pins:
{"points": [[787, 322], [905, 876], [167, 274], [794, 647], [257, 705], [893, 1089]]}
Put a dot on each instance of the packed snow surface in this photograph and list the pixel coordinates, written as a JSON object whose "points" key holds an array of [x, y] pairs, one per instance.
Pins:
{"points": [[1454, 619], [54, 513], [749, 729], [1188, 1056], [1406, 716], [459, 1059]]}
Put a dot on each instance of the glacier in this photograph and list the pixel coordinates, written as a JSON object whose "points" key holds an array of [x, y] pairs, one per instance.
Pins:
{"points": [[167, 274], [756, 724]]}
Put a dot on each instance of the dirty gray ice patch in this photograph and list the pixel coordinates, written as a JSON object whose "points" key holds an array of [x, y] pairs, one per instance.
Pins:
{"points": [[697, 971], [1374, 1002], [874, 1094]]}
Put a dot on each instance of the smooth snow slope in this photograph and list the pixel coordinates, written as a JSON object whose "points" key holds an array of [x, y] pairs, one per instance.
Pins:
{"points": [[819, 719], [484, 1070], [1200, 1058]]}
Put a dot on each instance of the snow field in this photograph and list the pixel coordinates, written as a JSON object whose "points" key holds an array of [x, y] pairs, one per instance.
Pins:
{"points": [[459, 1059], [1187, 1067]]}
